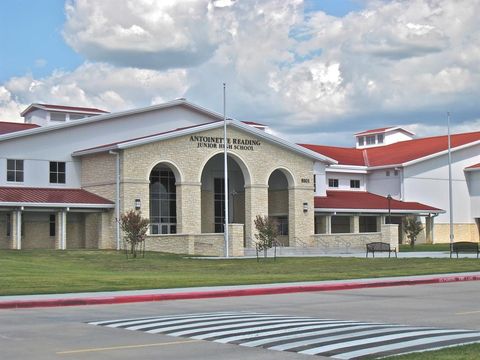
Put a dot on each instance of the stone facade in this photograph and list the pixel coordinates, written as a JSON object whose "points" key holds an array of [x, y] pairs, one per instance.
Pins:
{"points": [[462, 232]]}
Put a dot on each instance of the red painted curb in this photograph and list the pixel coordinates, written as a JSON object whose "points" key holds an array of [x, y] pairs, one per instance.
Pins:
{"points": [[286, 289]]}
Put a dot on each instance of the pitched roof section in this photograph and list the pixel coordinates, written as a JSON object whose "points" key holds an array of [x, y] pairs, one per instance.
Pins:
{"points": [[382, 130], [475, 167], [350, 156], [52, 107], [397, 153], [203, 127], [43, 197], [365, 201], [9, 127]]}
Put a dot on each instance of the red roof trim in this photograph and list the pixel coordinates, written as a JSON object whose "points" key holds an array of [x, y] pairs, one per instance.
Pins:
{"points": [[473, 167], [382, 130], [9, 127], [50, 196], [394, 154], [253, 123], [362, 200]]}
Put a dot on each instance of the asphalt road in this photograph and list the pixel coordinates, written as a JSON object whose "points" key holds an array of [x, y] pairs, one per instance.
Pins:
{"points": [[65, 332]]}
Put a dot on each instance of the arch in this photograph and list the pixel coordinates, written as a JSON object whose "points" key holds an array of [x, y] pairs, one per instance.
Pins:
{"points": [[163, 183], [179, 178], [288, 174], [279, 190], [238, 159]]}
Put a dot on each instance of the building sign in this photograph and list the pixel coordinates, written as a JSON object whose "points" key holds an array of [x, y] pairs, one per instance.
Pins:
{"points": [[214, 142]]}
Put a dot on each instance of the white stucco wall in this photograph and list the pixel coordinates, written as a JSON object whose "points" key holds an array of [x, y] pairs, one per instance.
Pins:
{"points": [[427, 182], [58, 144], [379, 183], [344, 180], [473, 183]]}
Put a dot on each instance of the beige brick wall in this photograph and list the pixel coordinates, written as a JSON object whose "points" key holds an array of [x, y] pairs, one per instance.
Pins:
{"points": [[462, 232], [36, 231], [75, 231], [5, 241]]}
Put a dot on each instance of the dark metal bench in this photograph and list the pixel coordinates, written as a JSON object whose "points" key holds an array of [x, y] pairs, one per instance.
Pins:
{"points": [[464, 247], [374, 247]]}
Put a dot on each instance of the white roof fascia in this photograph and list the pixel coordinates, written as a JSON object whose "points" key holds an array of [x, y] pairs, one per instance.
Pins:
{"points": [[385, 167], [65, 205], [364, 133], [379, 211], [472, 169], [210, 126], [107, 116], [440, 153], [347, 169]]}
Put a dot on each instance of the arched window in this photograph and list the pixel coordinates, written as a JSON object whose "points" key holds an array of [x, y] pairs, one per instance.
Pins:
{"points": [[163, 201]]}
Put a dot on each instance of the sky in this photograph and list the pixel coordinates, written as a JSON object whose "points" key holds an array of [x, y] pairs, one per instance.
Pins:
{"points": [[315, 71]]}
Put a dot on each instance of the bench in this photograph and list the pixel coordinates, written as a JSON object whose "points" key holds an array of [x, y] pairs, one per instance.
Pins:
{"points": [[374, 247], [464, 247]]}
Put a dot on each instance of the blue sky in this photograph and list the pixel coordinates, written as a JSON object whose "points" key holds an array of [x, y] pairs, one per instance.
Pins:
{"points": [[315, 72]]}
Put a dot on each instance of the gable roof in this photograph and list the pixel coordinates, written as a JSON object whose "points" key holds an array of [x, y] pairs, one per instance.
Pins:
{"points": [[7, 127], [44, 197], [202, 127], [368, 202], [397, 154], [383, 130], [107, 116], [52, 107], [475, 167]]}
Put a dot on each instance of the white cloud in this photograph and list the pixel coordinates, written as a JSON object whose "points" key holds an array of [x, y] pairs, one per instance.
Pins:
{"points": [[307, 74]]}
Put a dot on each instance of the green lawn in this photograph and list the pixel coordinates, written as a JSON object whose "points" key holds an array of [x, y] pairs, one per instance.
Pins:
{"points": [[466, 352], [50, 271], [425, 247]]}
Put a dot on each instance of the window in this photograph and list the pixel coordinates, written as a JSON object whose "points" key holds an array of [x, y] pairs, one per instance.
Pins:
{"points": [[57, 117], [395, 172], [361, 140], [333, 183], [370, 139], [57, 172], [380, 138], [163, 201], [282, 224], [219, 204], [15, 170], [320, 224], [52, 225], [387, 173], [314, 183], [76, 116], [368, 224], [355, 184], [9, 224], [341, 224]]}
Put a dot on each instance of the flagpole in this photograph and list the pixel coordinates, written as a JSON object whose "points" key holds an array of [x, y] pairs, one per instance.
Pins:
{"points": [[225, 175], [450, 195]]}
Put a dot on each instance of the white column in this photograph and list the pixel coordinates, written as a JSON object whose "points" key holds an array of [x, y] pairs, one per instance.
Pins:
{"points": [[63, 230], [18, 230], [320, 179]]}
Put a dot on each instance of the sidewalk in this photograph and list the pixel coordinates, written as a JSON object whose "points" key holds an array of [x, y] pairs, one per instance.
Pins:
{"points": [[120, 297]]}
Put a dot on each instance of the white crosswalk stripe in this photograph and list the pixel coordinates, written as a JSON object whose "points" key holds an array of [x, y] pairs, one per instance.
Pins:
{"points": [[338, 339]]}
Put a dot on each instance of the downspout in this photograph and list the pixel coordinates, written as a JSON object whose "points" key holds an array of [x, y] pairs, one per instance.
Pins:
{"points": [[117, 197]]}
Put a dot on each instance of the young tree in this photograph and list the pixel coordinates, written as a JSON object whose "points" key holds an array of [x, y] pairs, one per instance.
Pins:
{"points": [[135, 228], [267, 233], [412, 228]]}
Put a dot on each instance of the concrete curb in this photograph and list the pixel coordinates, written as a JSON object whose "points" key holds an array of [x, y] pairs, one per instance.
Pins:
{"points": [[281, 289]]}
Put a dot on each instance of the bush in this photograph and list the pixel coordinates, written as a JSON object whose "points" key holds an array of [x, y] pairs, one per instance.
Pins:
{"points": [[135, 228]]}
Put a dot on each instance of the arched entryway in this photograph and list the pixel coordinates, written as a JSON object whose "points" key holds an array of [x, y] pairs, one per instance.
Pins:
{"points": [[163, 200], [278, 203], [213, 193]]}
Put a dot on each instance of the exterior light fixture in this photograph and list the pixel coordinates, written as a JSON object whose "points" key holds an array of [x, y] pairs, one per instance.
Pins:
{"points": [[305, 207], [138, 204]]}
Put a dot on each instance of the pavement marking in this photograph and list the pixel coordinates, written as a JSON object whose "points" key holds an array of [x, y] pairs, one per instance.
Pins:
{"points": [[338, 339], [124, 347], [468, 312]]}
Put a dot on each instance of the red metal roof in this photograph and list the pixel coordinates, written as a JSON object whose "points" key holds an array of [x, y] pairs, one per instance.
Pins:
{"points": [[362, 200], [50, 196], [394, 154], [373, 131], [253, 123], [476, 166], [350, 156], [9, 127], [53, 107]]}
